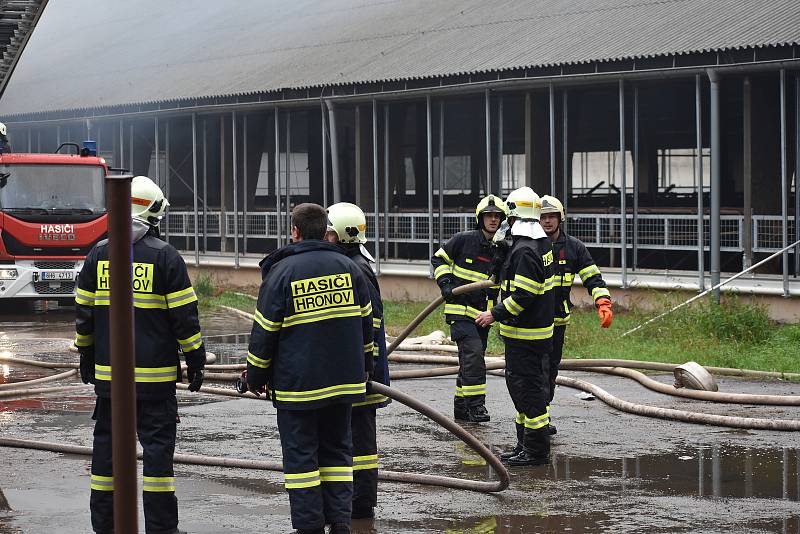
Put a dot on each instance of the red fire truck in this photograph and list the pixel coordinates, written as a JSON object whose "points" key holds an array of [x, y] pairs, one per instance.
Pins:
{"points": [[52, 211]]}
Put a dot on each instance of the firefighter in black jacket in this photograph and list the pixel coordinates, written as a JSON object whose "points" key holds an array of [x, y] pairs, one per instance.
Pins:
{"points": [[347, 227], [525, 314], [468, 257], [311, 345], [570, 258], [165, 325]]}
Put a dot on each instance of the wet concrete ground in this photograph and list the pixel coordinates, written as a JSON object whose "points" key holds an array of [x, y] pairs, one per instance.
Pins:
{"points": [[610, 471]]}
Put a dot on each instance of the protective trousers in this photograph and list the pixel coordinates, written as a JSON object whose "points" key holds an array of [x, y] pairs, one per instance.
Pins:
{"points": [[527, 378], [555, 356], [365, 459], [156, 427], [471, 381], [318, 464]]}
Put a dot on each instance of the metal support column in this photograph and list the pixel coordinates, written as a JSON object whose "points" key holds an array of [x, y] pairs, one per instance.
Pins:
{"points": [[278, 193], [797, 180], [441, 172], [324, 156], [235, 177], [430, 179], [565, 148], [716, 150], [157, 150], [701, 245], [747, 173], [337, 186], [623, 195], [244, 182], [635, 176], [130, 147], [194, 188], [784, 190], [488, 120], [376, 231], [166, 178], [123, 394], [528, 141], [205, 186], [498, 185], [386, 192], [552, 140], [288, 220]]}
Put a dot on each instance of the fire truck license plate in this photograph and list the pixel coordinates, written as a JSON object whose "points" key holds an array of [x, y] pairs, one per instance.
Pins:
{"points": [[57, 275]]}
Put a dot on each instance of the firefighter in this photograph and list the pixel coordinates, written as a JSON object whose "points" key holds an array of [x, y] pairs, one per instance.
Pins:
{"points": [[468, 257], [570, 258], [165, 325], [311, 346], [525, 314], [347, 227]]}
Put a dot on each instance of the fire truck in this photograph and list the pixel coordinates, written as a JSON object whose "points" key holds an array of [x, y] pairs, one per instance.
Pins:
{"points": [[52, 211]]}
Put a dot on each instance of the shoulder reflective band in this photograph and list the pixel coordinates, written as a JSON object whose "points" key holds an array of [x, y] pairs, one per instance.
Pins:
{"points": [[442, 254]]}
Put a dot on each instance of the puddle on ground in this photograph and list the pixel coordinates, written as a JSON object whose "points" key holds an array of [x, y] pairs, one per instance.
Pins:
{"points": [[724, 472]]}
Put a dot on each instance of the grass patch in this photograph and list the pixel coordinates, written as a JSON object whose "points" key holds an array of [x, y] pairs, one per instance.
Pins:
{"points": [[733, 334]]}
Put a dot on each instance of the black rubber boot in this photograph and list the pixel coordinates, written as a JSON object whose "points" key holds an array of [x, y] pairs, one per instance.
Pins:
{"points": [[339, 528], [363, 512], [552, 429], [505, 456], [478, 414], [310, 531], [526, 458]]}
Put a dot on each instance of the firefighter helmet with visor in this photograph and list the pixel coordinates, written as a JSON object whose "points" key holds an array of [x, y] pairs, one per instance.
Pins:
{"points": [[524, 203], [491, 204], [348, 221], [551, 204], [148, 203]]}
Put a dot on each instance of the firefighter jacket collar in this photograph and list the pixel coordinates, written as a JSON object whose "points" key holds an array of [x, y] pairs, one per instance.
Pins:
{"points": [[527, 228], [291, 249]]}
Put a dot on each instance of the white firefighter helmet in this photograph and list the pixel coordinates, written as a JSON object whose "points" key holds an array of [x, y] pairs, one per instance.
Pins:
{"points": [[3, 130], [348, 221], [491, 204], [524, 203], [148, 203], [551, 204]]}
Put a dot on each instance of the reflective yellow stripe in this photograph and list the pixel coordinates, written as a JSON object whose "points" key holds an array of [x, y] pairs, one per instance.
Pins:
{"points": [[366, 310], [600, 292], [323, 393], [568, 280], [372, 398], [336, 474], [84, 340], [158, 484], [266, 324], [369, 461], [191, 343], [532, 286], [442, 270], [511, 305], [470, 391], [149, 301], [84, 297], [561, 321], [376, 322], [466, 274], [528, 334], [141, 374], [369, 347], [322, 315], [442, 254], [520, 418], [181, 298], [301, 480], [538, 421], [458, 309], [258, 362], [588, 272], [102, 483]]}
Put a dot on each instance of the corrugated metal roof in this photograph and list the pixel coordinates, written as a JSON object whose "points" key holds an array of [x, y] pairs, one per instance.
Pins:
{"points": [[94, 53]]}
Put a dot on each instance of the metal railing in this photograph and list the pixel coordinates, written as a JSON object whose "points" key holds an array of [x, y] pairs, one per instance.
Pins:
{"points": [[665, 232]]}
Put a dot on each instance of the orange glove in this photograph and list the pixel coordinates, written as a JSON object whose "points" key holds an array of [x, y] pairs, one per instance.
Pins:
{"points": [[604, 312]]}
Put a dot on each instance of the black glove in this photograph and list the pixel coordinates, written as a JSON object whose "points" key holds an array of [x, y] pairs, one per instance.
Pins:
{"points": [[195, 377], [499, 258], [447, 291], [87, 367]]}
